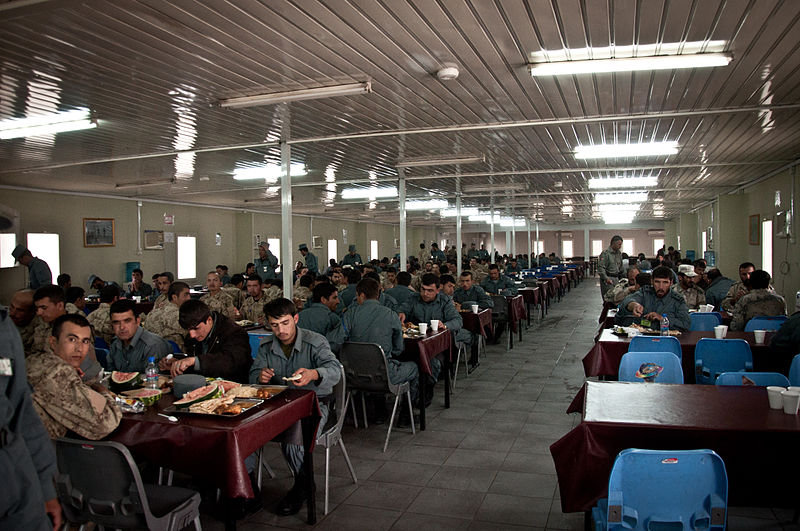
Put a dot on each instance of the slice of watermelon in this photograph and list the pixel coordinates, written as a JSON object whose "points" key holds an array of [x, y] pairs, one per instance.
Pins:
{"points": [[198, 395], [123, 381], [227, 385], [147, 396]]}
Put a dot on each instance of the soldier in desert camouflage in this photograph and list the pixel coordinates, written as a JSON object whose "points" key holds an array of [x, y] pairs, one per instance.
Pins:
{"points": [[164, 321]]}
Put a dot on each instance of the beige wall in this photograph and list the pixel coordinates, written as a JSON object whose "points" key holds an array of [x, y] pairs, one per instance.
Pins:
{"points": [[687, 230]]}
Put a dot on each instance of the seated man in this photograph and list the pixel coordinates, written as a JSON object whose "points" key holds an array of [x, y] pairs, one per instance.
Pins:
{"points": [[133, 344], [320, 316], [222, 271], [164, 322], [759, 301], [160, 295], [448, 285], [63, 401], [100, 319], [253, 306], [49, 302], [498, 284], [693, 294], [294, 351], [464, 297], [348, 294], [272, 289], [401, 292], [304, 285], [23, 313], [75, 300], [235, 290], [338, 280], [388, 279], [216, 299], [513, 269], [217, 346], [651, 302], [701, 280], [138, 288], [739, 289], [643, 262], [97, 283], [785, 342], [623, 288]]}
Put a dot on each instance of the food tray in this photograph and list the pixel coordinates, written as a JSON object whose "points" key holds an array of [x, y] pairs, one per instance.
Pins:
{"points": [[185, 411]]}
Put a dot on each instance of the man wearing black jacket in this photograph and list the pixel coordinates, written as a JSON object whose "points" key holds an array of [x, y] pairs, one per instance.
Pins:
{"points": [[216, 345]]}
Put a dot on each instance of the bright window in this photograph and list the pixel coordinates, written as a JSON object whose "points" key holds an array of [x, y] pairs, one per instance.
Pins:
{"points": [[373, 250], [703, 243], [538, 247], [658, 243], [597, 247], [442, 245], [275, 248], [187, 257], [45, 246], [566, 249], [333, 251], [627, 247], [7, 243], [766, 246]]}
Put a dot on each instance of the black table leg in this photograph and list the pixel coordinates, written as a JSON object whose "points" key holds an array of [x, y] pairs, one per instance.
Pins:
{"points": [[447, 381], [230, 510], [423, 388], [309, 427]]}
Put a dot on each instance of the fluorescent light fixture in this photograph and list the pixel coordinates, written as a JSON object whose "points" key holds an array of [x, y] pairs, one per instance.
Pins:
{"points": [[617, 207], [630, 64], [46, 124], [645, 149], [623, 182], [624, 197], [465, 212], [567, 209], [296, 95], [508, 222], [372, 192], [439, 160], [611, 218], [271, 173], [427, 204]]}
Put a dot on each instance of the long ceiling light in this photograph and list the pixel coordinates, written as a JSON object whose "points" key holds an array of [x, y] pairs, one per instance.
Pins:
{"points": [[271, 173], [618, 207], [600, 183], [645, 149], [296, 95], [427, 204], [624, 197], [372, 192], [615, 218], [440, 160], [630, 64], [465, 212], [47, 124]]}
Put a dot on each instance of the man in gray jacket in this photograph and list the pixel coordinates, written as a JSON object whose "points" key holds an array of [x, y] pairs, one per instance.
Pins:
{"points": [[651, 303], [609, 265]]}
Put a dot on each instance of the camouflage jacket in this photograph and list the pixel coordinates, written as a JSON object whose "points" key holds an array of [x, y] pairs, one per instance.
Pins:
{"points": [[160, 301], [236, 295], [100, 319], [694, 296], [272, 293], [71, 308], [41, 336], [302, 293], [253, 310], [755, 303], [26, 333], [736, 292], [65, 403], [164, 322], [609, 264], [618, 292], [220, 302]]}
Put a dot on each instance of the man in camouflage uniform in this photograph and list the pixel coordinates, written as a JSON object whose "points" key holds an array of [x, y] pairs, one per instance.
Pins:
{"points": [[623, 288], [235, 288], [63, 401], [739, 289], [652, 302], [164, 321], [23, 314], [253, 306], [49, 303], [609, 265], [100, 319], [759, 301], [272, 290], [216, 299], [388, 279], [162, 282], [694, 295]]}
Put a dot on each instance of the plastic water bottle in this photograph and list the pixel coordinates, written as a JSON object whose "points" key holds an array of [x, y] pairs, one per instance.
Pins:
{"points": [[664, 325], [151, 374]]}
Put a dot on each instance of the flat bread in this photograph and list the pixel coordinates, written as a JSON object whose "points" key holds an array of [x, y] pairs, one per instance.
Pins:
{"points": [[243, 391], [210, 406]]}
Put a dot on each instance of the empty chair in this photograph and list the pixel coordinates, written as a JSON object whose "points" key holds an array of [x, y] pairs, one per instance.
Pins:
{"points": [[712, 357], [794, 371], [635, 367], [704, 322], [656, 344], [761, 379], [663, 489], [367, 370], [765, 322], [98, 481]]}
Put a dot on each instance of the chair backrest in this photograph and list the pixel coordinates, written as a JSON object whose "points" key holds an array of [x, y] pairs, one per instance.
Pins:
{"points": [[712, 357], [365, 367], [794, 371], [256, 338], [704, 322], [102, 356], [175, 348], [765, 322], [500, 304], [98, 481], [99, 342], [329, 437], [667, 489], [656, 344], [631, 363], [761, 379]]}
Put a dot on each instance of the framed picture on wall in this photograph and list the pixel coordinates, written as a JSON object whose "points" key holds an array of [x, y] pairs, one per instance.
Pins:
{"points": [[154, 240], [98, 232], [754, 230]]}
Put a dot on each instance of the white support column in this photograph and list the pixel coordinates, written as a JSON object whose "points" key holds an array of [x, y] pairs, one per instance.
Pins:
{"points": [[286, 204], [491, 228], [458, 232], [587, 251], [537, 251], [528, 227], [401, 192]]}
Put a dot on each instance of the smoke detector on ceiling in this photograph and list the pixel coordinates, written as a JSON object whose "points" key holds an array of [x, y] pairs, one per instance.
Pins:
{"points": [[448, 72]]}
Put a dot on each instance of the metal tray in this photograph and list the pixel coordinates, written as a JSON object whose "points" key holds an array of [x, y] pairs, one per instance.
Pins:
{"points": [[185, 411]]}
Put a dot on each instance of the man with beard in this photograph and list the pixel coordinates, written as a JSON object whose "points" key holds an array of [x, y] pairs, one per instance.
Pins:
{"points": [[739, 289], [651, 303]]}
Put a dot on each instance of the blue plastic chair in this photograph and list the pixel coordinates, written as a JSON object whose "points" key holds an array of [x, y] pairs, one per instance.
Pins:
{"points": [[663, 489], [175, 348], [761, 379], [255, 341], [102, 356], [704, 322], [765, 322], [794, 371], [99, 342], [712, 357], [631, 362], [656, 344]]}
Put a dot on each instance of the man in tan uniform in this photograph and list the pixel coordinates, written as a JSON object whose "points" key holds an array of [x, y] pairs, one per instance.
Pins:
{"points": [[49, 303], [100, 319], [23, 314], [693, 294], [253, 307], [235, 288], [216, 299], [164, 321], [759, 301], [162, 283]]}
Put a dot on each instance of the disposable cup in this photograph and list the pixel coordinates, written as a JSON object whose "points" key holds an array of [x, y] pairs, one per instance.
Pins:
{"points": [[760, 335], [719, 331], [794, 388], [474, 308], [775, 398], [423, 328], [434, 325], [791, 399]]}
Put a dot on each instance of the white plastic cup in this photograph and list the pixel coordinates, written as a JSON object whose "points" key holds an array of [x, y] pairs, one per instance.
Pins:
{"points": [[794, 388], [760, 335], [791, 399], [474, 308], [423, 328], [434, 325], [774, 395], [719, 331]]}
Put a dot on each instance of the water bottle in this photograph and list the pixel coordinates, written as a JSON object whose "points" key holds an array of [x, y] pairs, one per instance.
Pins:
{"points": [[151, 374], [664, 325]]}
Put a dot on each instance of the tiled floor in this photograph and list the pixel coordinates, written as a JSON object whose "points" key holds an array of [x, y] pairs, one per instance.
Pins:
{"points": [[483, 464]]}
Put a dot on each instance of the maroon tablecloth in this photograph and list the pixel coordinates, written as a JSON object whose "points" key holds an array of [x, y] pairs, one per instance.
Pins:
{"points": [[608, 320], [516, 311], [422, 350], [213, 448], [530, 295], [477, 322], [757, 443], [604, 357]]}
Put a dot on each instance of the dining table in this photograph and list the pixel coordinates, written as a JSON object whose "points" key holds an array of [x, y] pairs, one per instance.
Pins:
{"points": [[755, 442], [421, 349], [532, 296], [516, 315]]}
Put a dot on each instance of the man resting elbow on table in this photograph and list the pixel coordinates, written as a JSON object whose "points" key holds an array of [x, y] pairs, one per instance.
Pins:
{"points": [[651, 302], [300, 353]]}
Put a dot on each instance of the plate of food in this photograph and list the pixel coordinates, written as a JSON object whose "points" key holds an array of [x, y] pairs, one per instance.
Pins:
{"points": [[224, 406]]}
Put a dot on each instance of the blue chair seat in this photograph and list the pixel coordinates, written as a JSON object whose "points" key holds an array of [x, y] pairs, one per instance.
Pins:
{"points": [[632, 363], [656, 344], [765, 322], [761, 379], [704, 322], [712, 357], [794, 371]]}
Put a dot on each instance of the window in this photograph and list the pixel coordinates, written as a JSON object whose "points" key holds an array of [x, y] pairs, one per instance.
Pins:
{"points": [[275, 248], [766, 246], [187, 257], [7, 244], [703, 243], [442, 245], [566, 249], [373, 250], [627, 247], [538, 247], [333, 251], [45, 246], [658, 243], [597, 247]]}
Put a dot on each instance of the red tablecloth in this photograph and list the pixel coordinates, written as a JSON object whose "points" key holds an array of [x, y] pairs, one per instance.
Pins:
{"points": [[213, 448], [757, 443], [530, 295], [516, 311], [477, 322], [422, 350]]}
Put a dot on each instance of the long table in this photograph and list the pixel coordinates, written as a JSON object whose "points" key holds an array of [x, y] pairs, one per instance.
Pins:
{"points": [[516, 314], [422, 350], [757, 443], [532, 297]]}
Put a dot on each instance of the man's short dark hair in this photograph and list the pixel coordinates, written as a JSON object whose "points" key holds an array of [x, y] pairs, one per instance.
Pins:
{"points": [[466, 273], [422, 246], [109, 293], [702, 264], [192, 313], [63, 279], [429, 279], [169, 276], [175, 289], [74, 293], [255, 278], [444, 269], [137, 270], [373, 275], [759, 279], [74, 318], [403, 278], [307, 281], [222, 266], [249, 265], [123, 306], [237, 279], [713, 274], [746, 265], [323, 291], [444, 279], [279, 307], [644, 279], [370, 287], [494, 266], [155, 276], [662, 272], [50, 291], [353, 276]]}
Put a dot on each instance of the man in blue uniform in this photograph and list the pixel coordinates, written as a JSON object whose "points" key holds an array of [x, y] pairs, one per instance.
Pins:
{"points": [[266, 262], [311, 259], [352, 258], [436, 254], [652, 302], [39, 273], [401, 292], [320, 315], [498, 284]]}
